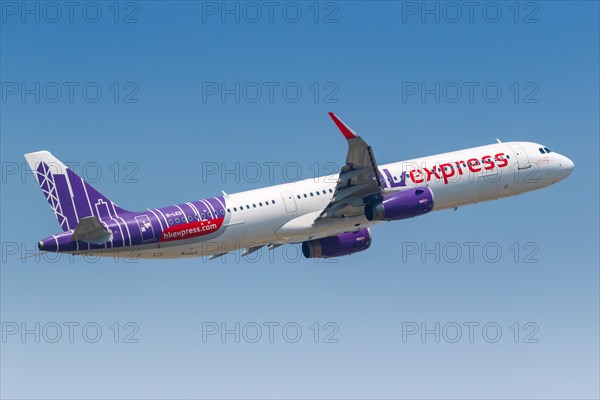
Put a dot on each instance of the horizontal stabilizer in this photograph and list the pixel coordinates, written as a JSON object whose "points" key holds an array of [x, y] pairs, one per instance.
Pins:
{"points": [[91, 230]]}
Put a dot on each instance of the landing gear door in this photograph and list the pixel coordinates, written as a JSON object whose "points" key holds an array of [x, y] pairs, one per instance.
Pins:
{"points": [[521, 155], [288, 200]]}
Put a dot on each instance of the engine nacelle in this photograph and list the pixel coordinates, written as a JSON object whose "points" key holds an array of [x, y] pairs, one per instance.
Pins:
{"points": [[337, 246], [401, 205]]}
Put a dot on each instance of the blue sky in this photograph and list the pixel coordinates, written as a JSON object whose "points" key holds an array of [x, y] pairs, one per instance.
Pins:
{"points": [[148, 96]]}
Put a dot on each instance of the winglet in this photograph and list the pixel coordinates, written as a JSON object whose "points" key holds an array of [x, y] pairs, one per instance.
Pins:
{"points": [[345, 129]]}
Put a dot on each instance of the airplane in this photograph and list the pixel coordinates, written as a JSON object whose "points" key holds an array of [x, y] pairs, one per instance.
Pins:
{"points": [[330, 216]]}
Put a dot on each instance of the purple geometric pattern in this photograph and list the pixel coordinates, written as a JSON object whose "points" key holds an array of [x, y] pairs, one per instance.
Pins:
{"points": [[48, 187], [138, 228], [72, 199]]}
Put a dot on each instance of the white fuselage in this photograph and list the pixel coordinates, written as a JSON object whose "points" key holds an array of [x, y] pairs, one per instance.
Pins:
{"points": [[250, 223]]}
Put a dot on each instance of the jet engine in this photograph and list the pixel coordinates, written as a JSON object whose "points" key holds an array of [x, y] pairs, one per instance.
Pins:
{"points": [[401, 205], [339, 245]]}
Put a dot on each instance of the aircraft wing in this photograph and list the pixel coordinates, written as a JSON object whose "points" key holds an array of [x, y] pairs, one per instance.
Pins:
{"points": [[359, 181]]}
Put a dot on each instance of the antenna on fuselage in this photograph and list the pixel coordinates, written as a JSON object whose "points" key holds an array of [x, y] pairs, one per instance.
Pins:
{"points": [[498, 140]]}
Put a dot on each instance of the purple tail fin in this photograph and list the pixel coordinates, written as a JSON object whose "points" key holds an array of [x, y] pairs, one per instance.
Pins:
{"points": [[69, 196]]}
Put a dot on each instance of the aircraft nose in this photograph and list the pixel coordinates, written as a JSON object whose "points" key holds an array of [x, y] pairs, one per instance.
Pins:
{"points": [[566, 165]]}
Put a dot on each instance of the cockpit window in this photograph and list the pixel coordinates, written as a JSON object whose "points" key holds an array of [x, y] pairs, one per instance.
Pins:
{"points": [[542, 150], [547, 150]]}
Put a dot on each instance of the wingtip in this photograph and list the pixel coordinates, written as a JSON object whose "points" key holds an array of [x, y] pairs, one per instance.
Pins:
{"points": [[345, 129]]}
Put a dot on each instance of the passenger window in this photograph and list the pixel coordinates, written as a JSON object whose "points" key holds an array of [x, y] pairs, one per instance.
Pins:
{"points": [[176, 220], [305, 196], [170, 222]]}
